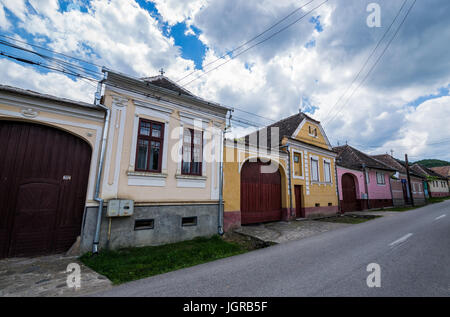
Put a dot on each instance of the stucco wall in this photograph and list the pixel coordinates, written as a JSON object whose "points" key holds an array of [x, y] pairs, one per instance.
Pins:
{"points": [[379, 191], [120, 180], [359, 184]]}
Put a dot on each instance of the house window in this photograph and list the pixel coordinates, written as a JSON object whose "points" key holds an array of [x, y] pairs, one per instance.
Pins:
{"points": [[297, 164], [149, 146], [367, 177], [312, 131], [314, 169], [192, 152], [380, 178], [327, 171]]}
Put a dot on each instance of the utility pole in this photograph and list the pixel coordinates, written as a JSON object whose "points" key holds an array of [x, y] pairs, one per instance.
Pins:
{"points": [[409, 179]]}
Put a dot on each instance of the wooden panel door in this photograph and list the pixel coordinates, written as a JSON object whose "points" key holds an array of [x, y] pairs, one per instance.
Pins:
{"points": [[299, 211], [260, 194], [349, 202], [44, 174]]}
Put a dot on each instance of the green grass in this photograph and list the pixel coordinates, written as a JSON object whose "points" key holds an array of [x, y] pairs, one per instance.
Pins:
{"points": [[135, 263], [437, 199], [352, 219], [401, 209]]}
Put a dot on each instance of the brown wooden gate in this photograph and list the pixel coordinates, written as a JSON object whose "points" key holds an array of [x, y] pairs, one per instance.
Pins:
{"points": [[260, 194], [349, 201], [43, 180]]}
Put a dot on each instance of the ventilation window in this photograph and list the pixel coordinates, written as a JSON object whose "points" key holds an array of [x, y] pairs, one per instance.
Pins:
{"points": [[144, 224], [317, 205], [330, 204], [189, 221]]}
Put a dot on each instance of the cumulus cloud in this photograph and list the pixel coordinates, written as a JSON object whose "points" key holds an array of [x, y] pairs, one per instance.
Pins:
{"points": [[4, 23], [306, 61]]}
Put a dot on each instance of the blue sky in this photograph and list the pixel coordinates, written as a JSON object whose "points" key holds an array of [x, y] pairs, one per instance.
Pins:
{"points": [[314, 60]]}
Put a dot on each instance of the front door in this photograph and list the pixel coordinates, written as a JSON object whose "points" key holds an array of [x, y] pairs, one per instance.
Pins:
{"points": [[299, 211]]}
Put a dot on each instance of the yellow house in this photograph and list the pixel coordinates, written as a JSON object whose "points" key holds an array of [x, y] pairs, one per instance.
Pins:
{"points": [[282, 172]]}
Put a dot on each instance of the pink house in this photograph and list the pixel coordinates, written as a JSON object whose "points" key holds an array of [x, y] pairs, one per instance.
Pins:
{"points": [[363, 181]]}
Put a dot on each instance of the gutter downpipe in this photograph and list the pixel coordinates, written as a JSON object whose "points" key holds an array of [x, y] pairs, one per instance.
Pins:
{"points": [[220, 214], [337, 186], [220, 230], [100, 166], [289, 178], [366, 184]]}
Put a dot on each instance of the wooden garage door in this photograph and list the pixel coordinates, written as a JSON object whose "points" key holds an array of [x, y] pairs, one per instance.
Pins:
{"points": [[260, 194], [43, 180], [349, 202]]}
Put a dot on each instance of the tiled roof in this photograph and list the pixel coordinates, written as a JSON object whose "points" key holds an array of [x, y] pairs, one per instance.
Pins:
{"points": [[164, 82], [442, 170], [391, 162], [425, 171], [286, 128], [352, 158], [31, 93]]}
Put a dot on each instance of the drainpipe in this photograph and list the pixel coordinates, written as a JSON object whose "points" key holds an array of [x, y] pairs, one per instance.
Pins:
{"points": [[337, 184], [100, 166], [290, 181], [220, 214], [365, 183]]}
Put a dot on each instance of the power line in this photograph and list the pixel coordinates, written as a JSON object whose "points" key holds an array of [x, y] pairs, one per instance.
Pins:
{"points": [[256, 44], [27, 61], [52, 51], [376, 62], [61, 62], [368, 58], [249, 41]]}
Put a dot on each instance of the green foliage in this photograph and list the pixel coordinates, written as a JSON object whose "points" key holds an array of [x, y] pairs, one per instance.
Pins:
{"points": [[135, 263], [433, 163]]}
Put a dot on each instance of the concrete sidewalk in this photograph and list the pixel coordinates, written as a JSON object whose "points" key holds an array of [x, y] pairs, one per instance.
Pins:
{"points": [[279, 232], [46, 276]]}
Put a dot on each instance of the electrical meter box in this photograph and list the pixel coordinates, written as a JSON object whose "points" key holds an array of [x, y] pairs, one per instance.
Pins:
{"points": [[120, 208]]}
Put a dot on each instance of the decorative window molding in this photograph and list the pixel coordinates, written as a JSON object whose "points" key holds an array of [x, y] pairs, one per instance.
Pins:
{"points": [[327, 171], [298, 170], [314, 167]]}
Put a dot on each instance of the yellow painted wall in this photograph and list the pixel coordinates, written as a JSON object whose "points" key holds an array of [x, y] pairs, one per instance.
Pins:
{"points": [[234, 158], [304, 136]]}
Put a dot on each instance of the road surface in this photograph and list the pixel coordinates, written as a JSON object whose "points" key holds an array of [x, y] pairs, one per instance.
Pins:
{"points": [[411, 248]]}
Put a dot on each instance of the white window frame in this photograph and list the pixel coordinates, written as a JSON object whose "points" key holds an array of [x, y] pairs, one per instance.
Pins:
{"points": [[316, 159], [302, 165], [383, 178], [324, 171]]}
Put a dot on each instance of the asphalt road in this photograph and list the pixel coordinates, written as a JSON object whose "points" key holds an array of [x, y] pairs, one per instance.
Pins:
{"points": [[412, 249]]}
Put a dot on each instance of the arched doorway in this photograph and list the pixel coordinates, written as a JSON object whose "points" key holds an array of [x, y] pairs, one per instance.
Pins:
{"points": [[43, 180], [260, 194], [349, 199]]}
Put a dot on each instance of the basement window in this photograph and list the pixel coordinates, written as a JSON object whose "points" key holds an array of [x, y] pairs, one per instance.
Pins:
{"points": [[317, 205], [330, 204], [188, 221], [144, 224]]}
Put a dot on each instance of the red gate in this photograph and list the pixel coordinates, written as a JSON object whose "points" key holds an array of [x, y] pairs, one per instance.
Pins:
{"points": [[260, 194], [43, 180]]}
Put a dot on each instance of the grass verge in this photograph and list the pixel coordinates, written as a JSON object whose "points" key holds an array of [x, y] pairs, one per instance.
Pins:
{"points": [[130, 264], [352, 219]]}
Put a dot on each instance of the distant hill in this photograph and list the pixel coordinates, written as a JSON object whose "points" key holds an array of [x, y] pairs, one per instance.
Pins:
{"points": [[433, 163]]}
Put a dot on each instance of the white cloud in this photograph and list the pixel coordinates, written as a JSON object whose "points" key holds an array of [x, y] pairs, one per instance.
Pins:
{"points": [[270, 79], [4, 23], [51, 83], [174, 11]]}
